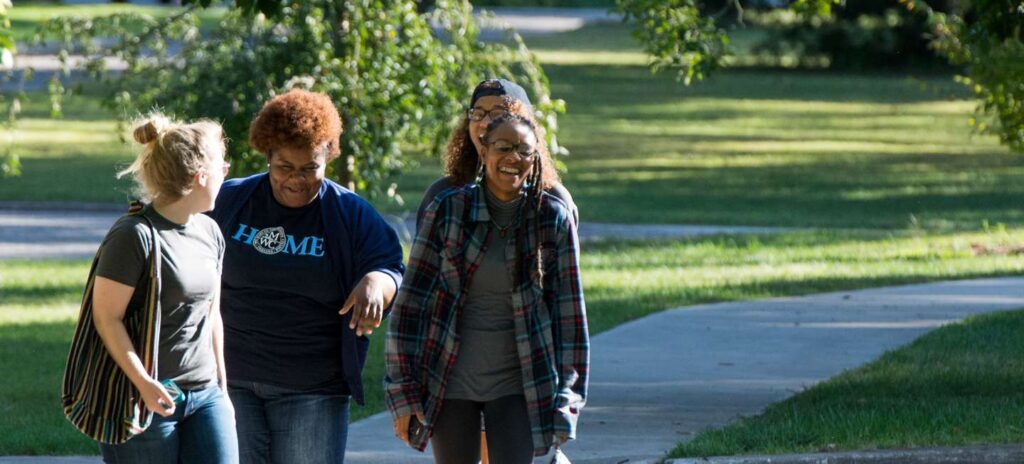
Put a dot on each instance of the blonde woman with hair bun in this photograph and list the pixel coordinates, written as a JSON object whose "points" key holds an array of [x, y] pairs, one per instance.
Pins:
{"points": [[179, 170]]}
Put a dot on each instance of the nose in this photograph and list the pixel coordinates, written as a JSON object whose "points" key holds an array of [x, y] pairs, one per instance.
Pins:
{"points": [[299, 174]]}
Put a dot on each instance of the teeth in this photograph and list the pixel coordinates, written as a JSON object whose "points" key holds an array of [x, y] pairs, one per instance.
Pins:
{"points": [[505, 170]]}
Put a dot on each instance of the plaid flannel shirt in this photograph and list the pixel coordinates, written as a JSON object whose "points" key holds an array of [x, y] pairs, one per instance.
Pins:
{"points": [[550, 322]]}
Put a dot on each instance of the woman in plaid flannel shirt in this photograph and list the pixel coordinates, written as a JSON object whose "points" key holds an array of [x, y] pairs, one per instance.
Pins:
{"points": [[436, 357]]}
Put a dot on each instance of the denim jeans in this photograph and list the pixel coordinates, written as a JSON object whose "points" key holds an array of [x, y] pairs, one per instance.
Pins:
{"points": [[201, 429], [285, 426]]}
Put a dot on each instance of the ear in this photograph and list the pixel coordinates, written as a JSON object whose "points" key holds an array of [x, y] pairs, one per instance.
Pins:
{"points": [[201, 179]]}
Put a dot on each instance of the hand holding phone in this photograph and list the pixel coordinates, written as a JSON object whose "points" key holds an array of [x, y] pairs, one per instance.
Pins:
{"points": [[174, 391], [417, 431], [157, 398], [408, 428]]}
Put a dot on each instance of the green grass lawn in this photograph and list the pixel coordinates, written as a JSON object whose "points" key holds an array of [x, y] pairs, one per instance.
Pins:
{"points": [[960, 384], [889, 155], [748, 146], [623, 280], [72, 159]]}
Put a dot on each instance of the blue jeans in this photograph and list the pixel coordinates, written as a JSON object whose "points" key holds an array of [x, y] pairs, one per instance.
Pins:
{"points": [[201, 429], [285, 426]]}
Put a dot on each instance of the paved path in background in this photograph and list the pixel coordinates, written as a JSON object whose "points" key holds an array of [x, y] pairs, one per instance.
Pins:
{"points": [[76, 230], [662, 379]]}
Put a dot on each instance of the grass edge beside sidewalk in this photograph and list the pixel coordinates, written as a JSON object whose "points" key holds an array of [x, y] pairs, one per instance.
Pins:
{"points": [[623, 280], [962, 384]]}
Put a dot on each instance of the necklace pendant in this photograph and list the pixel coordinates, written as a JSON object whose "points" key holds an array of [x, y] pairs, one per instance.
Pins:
{"points": [[503, 232]]}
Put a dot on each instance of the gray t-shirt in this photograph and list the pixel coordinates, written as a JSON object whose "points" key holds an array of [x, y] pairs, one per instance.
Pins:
{"points": [[190, 277], [487, 366]]}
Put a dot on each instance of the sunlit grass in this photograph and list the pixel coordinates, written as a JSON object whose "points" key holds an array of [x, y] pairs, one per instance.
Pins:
{"points": [[75, 158], [961, 384], [750, 147], [649, 276]]}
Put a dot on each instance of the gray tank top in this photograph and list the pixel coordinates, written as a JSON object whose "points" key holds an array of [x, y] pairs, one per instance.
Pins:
{"points": [[487, 366]]}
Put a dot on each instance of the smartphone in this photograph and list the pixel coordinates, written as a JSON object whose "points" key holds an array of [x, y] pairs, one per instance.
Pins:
{"points": [[417, 431], [173, 390]]}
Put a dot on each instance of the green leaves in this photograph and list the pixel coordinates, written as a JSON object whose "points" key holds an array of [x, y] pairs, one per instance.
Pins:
{"points": [[989, 43], [6, 34], [814, 7], [10, 165], [397, 85], [676, 36]]}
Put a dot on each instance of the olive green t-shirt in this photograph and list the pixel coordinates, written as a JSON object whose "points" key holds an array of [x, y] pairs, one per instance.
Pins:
{"points": [[487, 366], [191, 257]]}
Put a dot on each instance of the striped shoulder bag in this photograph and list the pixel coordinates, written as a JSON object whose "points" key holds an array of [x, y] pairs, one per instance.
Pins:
{"points": [[98, 397]]}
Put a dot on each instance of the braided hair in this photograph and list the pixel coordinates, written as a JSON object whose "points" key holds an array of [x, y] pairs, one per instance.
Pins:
{"points": [[533, 188]]}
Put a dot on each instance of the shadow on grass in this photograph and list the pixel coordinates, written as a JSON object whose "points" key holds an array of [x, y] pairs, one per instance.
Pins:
{"points": [[86, 106], [69, 176], [36, 294], [32, 358], [602, 85], [940, 190]]}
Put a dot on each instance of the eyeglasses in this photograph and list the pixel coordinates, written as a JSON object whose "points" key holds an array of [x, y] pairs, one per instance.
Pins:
{"points": [[478, 114], [287, 170], [526, 152]]}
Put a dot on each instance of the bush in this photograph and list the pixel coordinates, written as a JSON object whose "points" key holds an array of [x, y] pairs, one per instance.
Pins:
{"points": [[986, 37], [861, 35], [547, 3], [396, 85]]}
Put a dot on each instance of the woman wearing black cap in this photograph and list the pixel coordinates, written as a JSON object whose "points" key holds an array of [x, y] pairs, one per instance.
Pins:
{"points": [[491, 99], [490, 318]]}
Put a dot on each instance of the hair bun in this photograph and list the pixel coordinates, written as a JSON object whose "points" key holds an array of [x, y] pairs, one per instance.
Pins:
{"points": [[150, 129]]}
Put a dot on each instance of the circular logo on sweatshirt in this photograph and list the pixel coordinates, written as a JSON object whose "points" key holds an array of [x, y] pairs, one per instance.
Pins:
{"points": [[270, 241]]}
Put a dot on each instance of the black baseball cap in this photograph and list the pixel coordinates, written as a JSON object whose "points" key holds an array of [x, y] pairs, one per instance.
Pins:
{"points": [[499, 87]]}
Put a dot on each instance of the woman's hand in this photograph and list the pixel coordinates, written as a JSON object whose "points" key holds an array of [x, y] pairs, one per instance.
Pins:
{"points": [[156, 397], [402, 426], [367, 302]]}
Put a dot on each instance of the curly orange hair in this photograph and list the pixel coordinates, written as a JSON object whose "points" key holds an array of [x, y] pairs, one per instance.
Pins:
{"points": [[297, 119]]}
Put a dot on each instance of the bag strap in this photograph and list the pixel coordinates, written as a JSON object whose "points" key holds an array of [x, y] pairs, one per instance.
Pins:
{"points": [[153, 290]]}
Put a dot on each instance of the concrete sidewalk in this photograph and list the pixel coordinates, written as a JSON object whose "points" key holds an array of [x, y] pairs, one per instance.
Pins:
{"points": [[662, 379], [40, 230]]}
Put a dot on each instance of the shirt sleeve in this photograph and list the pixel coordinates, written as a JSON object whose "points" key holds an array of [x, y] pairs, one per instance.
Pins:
{"points": [[406, 329], [559, 191], [569, 324], [124, 252], [438, 186], [377, 247]]}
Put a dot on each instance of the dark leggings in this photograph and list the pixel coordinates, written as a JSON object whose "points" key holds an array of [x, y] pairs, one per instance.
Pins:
{"points": [[456, 438]]}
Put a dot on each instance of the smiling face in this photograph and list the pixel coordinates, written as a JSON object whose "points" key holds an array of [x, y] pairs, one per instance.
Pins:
{"points": [[506, 169], [296, 175], [487, 105]]}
